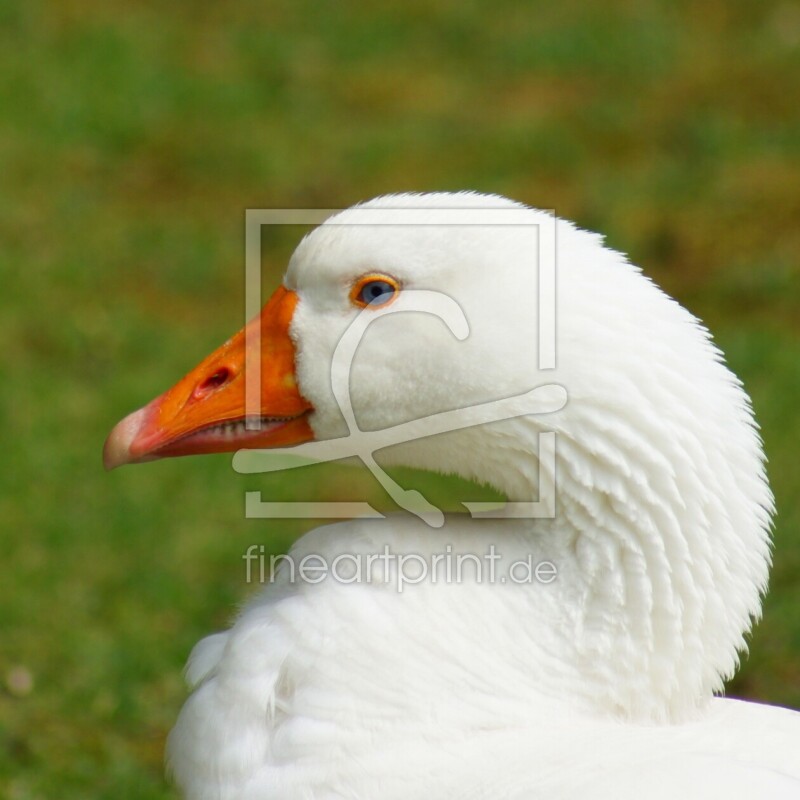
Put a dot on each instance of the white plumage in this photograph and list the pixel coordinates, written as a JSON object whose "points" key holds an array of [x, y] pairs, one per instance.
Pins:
{"points": [[597, 685]]}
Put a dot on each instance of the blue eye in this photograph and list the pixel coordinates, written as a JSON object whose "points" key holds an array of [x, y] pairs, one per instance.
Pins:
{"points": [[375, 290]]}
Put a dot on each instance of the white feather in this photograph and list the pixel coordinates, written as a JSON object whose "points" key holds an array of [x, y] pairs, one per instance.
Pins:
{"points": [[599, 684]]}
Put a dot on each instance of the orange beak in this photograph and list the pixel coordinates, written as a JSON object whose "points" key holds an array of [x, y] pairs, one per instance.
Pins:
{"points": [[205, 412]]}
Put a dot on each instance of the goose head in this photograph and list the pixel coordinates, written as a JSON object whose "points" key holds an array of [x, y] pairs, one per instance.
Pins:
{"points": [[661, 501], [470, 337]]}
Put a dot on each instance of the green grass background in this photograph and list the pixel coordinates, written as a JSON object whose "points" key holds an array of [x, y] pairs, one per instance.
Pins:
{"points": [[133, 136]]}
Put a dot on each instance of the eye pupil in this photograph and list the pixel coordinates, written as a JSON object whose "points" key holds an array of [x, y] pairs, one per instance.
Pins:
{"points": [[376, 292]]}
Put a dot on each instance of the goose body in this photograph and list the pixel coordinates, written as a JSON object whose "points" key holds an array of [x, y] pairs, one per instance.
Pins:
{"points": [[599, 680]]}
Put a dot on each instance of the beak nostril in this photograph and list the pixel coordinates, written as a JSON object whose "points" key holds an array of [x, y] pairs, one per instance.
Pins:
{"points": [[214, 381]]}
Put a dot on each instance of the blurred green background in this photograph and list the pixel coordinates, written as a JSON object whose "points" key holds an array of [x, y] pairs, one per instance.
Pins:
{"points": [[133, 136]]}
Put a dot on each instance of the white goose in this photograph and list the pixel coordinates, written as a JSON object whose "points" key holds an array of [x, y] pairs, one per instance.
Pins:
{"points": [[599, 684]]}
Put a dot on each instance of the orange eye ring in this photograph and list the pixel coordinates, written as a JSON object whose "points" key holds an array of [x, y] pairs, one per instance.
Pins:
{"points": [[374, 289]]}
